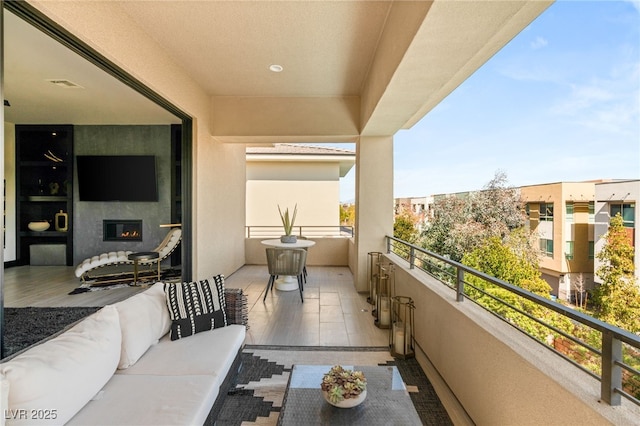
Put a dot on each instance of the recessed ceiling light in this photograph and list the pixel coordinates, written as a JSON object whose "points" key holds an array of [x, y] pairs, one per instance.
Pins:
{"points": [[275, 68]]}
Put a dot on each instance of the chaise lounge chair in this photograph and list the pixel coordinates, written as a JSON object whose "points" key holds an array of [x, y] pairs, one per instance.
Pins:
{"points": [[121, 257]]}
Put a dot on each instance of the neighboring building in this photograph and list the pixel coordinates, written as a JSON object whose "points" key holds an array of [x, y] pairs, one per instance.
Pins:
{"points": [[421, 207], [562, 215], [287, 175], [619, 196], [569, 219]]}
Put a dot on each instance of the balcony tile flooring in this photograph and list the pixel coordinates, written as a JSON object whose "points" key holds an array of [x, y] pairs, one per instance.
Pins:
{"points": [[333, 312]]}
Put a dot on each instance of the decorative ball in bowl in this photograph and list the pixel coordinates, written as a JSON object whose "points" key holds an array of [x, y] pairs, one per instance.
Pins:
{"points": [[344, 388], [39, 225]]}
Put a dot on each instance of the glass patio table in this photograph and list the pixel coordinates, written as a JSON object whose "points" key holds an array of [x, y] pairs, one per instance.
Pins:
{"points": [[387, 401]]}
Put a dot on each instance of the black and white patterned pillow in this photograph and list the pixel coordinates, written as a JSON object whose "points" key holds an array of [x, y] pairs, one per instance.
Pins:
{"points": [[196, 306]]}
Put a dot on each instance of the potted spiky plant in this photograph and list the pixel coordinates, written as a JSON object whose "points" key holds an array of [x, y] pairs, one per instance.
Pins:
{"points": [[287, 223]]}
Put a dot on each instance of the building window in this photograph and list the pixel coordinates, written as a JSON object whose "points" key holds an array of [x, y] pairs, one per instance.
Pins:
{"points": [[592, 212], [626, 210], [546, 247], [527, 210], [546, 212], [592, 249], [569, 212], [568, 250]]}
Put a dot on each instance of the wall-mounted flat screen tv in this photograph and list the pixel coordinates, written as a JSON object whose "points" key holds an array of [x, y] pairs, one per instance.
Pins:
{"points": [[117, 178]]}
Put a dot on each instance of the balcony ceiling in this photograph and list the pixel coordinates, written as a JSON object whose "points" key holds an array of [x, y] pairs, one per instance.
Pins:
{"points": [[350, 68]]}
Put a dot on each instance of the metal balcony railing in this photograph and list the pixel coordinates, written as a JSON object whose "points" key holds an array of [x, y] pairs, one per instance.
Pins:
{"points": [[306, 231], [605, 352]]}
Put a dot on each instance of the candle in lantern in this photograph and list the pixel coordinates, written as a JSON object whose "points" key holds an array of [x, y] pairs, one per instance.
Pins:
{"points": [[398, 339], [385, 315]]}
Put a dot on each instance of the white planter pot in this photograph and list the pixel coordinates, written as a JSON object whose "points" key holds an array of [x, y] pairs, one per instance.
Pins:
{"points": [[346, 403]]}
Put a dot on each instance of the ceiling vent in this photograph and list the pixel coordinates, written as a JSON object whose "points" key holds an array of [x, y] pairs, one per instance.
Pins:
{"points": [[65, 84]]}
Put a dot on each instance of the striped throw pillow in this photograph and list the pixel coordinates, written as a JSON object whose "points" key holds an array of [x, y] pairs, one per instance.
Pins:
{"points": [[196, 306]]}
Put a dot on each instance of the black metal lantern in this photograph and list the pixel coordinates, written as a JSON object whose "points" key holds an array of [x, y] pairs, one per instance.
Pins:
{"points": [[401, 342]]}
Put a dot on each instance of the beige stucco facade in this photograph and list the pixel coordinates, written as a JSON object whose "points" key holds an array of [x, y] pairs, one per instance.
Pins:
{"points": [[566, 259], [294, 177]]}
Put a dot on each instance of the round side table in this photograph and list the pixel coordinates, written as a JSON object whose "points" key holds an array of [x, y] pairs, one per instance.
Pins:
{"points": [[142, 255]]}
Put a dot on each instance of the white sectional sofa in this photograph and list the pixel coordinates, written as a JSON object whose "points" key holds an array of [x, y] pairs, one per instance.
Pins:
{"points": [[119, 366]]}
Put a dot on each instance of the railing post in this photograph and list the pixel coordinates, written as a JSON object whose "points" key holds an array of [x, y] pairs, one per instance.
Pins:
{"points": [[412, 257], [611, 376], [388, 245], [460, 285]]}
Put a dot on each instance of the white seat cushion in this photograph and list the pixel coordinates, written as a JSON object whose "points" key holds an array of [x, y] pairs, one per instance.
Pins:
{"points": [[209, 352], [144, 319], [151, 400], [64, 373]]}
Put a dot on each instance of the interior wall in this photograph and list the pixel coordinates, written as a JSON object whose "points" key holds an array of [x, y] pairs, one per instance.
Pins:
{"points": [[88, 215], [218, 209], [10, 192]]}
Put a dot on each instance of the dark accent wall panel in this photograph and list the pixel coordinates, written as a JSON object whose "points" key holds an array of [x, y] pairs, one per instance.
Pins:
{"points": [[88, 215]]}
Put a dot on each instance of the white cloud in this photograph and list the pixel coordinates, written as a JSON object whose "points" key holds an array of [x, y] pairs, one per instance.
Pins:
{"points": [[539, 43], [636, 4]]}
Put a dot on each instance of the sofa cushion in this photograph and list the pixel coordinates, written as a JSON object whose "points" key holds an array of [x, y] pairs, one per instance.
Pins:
{"points": [[211, 353], [64, 373], [4, 399], [196, 306], [144, 319], [151, 400]]}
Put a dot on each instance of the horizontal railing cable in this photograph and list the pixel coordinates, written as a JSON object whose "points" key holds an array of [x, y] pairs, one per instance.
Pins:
{"points": [[615, 342], [254, 231]]}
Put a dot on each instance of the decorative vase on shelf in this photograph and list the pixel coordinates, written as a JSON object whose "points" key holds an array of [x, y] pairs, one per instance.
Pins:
{"points": [[288, 239], [62, 221], [38, 225]]}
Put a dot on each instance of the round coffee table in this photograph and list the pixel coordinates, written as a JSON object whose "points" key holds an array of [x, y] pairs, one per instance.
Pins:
{"points": [[143, 255]]}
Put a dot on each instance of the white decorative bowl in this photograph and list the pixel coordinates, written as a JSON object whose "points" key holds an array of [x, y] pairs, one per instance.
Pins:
{"points": [[346, 403], [39, 226]]}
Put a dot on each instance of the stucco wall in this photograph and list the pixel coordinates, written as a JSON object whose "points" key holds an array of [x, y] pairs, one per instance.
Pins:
{"points": [[499, 375], [326, 252], [219, 170], [317, 202]]}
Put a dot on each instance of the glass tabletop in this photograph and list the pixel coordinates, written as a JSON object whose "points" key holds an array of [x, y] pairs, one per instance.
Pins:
{"points": [[387, 401]]}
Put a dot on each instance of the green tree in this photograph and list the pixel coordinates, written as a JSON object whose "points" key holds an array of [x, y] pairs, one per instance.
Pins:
{"points": [[448, 212], [618, 298], [496, 258], [461, 224], [347, 214], [405, 226]]}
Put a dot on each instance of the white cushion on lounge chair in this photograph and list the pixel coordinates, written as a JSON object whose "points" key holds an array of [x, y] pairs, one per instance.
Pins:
{"points": [[164, 249]]}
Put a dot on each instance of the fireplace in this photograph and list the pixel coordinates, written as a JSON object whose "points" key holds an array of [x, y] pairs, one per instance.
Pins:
{"points": [[121, 230]]}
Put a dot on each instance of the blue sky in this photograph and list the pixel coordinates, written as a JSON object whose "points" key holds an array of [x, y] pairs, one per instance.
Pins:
{"points": [[560, 102]]}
